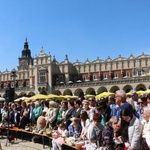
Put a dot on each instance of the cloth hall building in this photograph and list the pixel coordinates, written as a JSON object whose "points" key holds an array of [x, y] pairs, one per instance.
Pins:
{"points": [[45, 74]]}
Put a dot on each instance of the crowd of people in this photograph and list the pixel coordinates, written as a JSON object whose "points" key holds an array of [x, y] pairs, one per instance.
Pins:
{"points": [[116, 121]]}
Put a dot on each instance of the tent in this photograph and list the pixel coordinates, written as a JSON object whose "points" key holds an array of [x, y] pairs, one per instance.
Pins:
{"points": [[2, 99], [21, 98]]}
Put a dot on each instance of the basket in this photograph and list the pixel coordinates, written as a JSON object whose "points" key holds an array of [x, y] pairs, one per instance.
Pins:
{"points": [[79, 144]]}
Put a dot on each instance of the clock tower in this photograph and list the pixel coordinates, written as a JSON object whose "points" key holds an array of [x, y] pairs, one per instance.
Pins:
{"points": [[25, 60]]}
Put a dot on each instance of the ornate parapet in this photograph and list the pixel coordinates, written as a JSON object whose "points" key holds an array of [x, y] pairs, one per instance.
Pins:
{"points": [[106, 82]]}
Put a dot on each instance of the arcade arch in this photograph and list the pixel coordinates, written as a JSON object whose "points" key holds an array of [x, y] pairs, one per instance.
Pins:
{"points": [[90, 91], [57, 92], [140, 87], [67, 92], [113, 89], [101, 90], [127, 88], [79, 92]]}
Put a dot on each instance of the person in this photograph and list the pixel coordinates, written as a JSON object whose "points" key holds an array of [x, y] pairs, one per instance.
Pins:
{"points": [[112, 105], [148, 99], [23, 108], [1, 110], [134, 129], [51, 114], [140, 104], [95, 129], [41, 122], [30, 112], [24, 120], [120, 97], [145, 122], [89, 110], [91, 102], [16, 117], [69, 113], [134, 97], [11, 115], [85, 122], [37, 111], [74, 129], [58, 139], [107, 139], [45, 106], [40, 126], [78, 109], [62, 111], [5, 114], [19, 107], [105, 111]]}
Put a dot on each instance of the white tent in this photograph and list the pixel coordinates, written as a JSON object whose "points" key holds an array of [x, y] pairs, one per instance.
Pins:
{"points": [[21, 98], [2, 99]]}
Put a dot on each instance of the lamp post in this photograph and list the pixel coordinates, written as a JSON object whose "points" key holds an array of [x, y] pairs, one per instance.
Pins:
{"points": [[13, 75]]}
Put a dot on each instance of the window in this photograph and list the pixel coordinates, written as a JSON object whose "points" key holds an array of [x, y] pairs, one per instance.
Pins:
{"points": [[94, 77], [5, 85], [105, 76], [116, 75], [75, 78], [42, 77], [20, 84], [60, 78], [128, 74], [139, 73], [27, 83], [84, 78]]}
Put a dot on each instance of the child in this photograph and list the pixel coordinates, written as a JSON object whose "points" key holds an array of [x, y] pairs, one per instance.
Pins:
{"points": [[58, 138]]}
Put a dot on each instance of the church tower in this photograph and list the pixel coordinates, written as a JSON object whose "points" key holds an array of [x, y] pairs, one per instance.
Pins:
{"points": [[25, 60]]}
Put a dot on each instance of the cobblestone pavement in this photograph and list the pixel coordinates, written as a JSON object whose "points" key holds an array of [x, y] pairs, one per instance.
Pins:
{"points": [[21, 145]]}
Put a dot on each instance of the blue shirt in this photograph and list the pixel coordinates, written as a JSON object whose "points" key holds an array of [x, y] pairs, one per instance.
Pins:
{"points": [[75, 132], [125, 105]]}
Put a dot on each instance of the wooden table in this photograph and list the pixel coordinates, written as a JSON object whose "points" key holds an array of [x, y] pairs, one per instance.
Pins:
{"points": [[21, 133]]}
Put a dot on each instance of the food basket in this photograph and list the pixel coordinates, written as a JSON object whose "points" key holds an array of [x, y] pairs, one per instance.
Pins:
{"points": [[79, 144]]}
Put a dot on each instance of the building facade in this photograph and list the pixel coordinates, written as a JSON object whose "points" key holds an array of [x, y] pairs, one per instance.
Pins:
{"points": [[44, 74]]}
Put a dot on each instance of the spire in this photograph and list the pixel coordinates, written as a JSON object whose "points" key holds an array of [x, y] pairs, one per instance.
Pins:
{"points": [[26, 46], [26, 39], [66, 57], [26, 51]]}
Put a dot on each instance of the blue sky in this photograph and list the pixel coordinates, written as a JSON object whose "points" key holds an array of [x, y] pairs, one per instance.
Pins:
{"points": [[79, 28]]}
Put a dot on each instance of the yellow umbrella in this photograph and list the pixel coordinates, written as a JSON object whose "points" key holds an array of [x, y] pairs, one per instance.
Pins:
{"points": [[68, 96], [37, 96], [104, 94], [140, 92], [147, 91], [128, 93], [53, 96], [89, 95]]}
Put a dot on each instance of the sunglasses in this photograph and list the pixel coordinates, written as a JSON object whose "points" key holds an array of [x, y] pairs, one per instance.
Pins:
{"points": [[140, 103]]}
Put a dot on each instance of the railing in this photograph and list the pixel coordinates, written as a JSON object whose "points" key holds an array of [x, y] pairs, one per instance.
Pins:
{"points": [[19, 89], [106, 82]]}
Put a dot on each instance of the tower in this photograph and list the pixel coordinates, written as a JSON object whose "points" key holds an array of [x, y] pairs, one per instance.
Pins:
{"points": [[25, 60]]}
